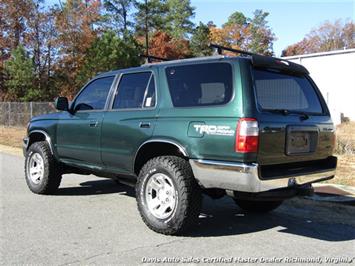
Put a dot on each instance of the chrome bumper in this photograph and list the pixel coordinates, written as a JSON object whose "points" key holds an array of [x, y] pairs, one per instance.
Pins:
{"points": [[245, 177]]}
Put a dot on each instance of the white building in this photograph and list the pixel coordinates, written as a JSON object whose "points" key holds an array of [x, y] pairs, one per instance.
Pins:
{"points": [[334, 74]]}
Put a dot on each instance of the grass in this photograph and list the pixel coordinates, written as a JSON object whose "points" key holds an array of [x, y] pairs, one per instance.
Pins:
{"points": [[12, 136], [345, 149]]}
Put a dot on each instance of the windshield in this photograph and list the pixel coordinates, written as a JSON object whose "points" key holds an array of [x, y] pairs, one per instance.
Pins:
{"points": [[279, 91]]}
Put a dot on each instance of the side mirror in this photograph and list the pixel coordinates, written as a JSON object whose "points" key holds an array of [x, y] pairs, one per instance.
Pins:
{"points": [[61, 104]]}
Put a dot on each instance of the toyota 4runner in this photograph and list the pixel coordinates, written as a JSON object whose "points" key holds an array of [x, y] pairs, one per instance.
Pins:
{"points": [[253, 127]]}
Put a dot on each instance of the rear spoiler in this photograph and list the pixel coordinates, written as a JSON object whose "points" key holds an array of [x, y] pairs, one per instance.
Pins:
{"points": [[278, 64], [263, 61]]}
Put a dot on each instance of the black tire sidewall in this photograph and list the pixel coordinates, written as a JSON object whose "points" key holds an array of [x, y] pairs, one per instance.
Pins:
{"points": [[156, 222], [42, 186]]}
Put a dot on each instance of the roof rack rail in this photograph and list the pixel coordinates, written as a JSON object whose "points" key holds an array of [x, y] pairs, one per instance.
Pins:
{"points": [[259, 60], [220, 48], [151, 58]]}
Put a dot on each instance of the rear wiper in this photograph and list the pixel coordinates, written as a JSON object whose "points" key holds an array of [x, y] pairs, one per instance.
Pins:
{"points": [[303, 116], [281, 111]]}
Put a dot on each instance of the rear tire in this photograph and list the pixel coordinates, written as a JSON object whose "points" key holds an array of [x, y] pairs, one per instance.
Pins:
{"points": [[168, 196], [258, 206], [42, 172]]}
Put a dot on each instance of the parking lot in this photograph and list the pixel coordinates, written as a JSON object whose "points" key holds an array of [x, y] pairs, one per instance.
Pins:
{"points": [[95, 221]]}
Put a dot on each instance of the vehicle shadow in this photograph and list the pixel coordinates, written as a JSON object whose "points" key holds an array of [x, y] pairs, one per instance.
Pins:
{"points": [[223, 217], [96, 187], [298, 217]]}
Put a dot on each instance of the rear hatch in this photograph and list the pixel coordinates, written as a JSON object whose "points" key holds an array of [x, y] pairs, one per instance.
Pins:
{"points": [[294, 121]]}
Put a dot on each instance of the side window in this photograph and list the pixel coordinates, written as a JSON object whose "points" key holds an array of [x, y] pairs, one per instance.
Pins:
{"points": [[94, 95], [200, 84], [135, 90]]}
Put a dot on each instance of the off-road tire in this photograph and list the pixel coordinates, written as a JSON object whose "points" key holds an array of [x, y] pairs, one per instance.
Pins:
{"points": [[189, 196], [51, 172], [258, 206]]}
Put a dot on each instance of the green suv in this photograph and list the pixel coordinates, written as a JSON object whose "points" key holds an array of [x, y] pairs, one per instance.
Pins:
{"points": [[252, 127]]}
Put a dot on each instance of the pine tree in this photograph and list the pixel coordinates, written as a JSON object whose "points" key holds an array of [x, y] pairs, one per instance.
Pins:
{"points": [[20, 75], [150, 17], [179, 17], [118, 14], [200, 41], [109, 52]]}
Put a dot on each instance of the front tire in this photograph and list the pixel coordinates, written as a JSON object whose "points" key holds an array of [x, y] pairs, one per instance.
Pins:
{"points": [[168, 197], [42, 172], [258, 206]]}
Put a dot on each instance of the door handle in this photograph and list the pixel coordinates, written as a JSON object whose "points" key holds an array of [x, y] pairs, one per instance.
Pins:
{"points": [[144, 125], [93, 123]]}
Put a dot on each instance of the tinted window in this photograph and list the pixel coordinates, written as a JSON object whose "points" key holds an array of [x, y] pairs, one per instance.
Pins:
{"points": [[200, 85], [281, 91], [131, 92], [94, 95]]}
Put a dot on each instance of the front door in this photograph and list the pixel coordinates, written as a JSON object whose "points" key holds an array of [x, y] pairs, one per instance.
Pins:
{"points": [[79, 131]]}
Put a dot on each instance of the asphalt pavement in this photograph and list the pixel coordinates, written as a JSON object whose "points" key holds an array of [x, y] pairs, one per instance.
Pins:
{"points": [[95, 221]]}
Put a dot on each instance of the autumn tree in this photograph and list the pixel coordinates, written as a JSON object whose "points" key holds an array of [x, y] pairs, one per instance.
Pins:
{"points": [[75, 24], [200, 41], [118, 15], [13, 18], [163, 45], [251, 34], [327, 37], [179, 15], [19, 70]]}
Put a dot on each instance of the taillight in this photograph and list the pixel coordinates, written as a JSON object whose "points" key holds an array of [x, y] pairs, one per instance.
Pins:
{"points": [[247, 137]]}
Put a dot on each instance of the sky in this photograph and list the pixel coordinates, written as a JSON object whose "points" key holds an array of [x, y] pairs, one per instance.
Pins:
{"points": [[290, 20]]}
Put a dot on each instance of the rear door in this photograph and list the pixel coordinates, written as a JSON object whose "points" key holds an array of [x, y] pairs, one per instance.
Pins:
{"points": [[294, 121], [130, 119]]}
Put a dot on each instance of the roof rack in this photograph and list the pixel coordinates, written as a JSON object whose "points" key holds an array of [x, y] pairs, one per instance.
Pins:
{"points": [[220, 48], [151, 58], [266, 61]]}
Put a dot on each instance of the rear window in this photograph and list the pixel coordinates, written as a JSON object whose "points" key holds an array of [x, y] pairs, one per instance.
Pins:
{"points": [[200, 84], [278, 91]]}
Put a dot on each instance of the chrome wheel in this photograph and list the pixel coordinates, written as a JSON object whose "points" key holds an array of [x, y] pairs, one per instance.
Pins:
{"points": [[35, 168], [160, 196]]}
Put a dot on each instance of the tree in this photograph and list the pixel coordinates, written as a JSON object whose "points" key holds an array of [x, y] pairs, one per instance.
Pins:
{"points": [[240, 32], [261, 38], [118, 13], [13, 18], [327, 37], [75, 24], [20, 74], [236, 18], [150, 17], [200, 41], [109, 52], [163, 45], [179, 16]]}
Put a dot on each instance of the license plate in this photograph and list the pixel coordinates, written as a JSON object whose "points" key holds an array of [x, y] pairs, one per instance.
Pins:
{"points": [[299, 142]]}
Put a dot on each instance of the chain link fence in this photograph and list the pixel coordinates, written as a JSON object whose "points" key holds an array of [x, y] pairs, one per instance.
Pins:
{"points": [[17, 114]]}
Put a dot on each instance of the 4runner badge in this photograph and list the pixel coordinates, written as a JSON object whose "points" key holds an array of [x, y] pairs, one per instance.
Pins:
{"points": [[214, 130]]}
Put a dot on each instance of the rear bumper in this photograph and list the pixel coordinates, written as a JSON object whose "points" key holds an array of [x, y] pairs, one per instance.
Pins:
{"points": [[245, 177]]}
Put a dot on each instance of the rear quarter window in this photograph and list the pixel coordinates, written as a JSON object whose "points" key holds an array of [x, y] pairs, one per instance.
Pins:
{"points": [[200, 84], [287, 92]]}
